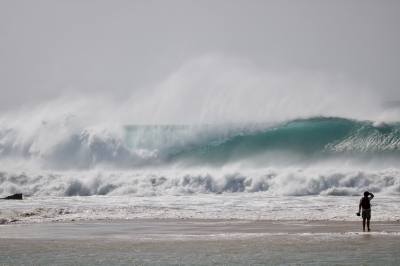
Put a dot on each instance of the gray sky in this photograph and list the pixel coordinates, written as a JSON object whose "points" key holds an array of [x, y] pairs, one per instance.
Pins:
{"points": [[116, 47]]}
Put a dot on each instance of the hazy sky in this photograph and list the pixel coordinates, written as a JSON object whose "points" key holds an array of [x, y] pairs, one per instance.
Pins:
{"points": [[50, 47]]}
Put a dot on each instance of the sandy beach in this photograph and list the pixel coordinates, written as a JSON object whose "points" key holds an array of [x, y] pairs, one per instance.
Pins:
{"points": [[199, 242]]}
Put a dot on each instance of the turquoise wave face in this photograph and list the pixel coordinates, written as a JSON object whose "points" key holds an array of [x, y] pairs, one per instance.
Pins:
{"points": [[306, 139]]}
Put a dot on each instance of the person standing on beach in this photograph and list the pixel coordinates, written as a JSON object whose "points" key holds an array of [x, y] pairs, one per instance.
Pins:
{"points": [[365, 206]]}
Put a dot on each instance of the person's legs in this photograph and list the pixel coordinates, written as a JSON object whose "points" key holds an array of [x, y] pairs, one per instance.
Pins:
{"points": [[364, 223], [368, 216]]}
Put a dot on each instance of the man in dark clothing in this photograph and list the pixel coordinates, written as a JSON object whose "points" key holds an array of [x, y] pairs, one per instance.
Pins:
{"points": [[365, 206]]}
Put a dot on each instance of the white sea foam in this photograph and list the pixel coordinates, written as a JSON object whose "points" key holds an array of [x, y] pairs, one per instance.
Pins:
{"points": [[251, 206], [281, 194], [156, 182]]}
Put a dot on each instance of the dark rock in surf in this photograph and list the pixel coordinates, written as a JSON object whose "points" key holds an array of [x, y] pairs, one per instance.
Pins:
{"points": [[17, 196]]}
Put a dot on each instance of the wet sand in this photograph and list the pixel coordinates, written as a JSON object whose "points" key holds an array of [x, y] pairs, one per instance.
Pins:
{"points": [[199, 242]]}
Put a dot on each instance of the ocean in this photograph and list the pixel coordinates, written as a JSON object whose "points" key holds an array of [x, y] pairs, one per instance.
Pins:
{"points": [[304, 169]]}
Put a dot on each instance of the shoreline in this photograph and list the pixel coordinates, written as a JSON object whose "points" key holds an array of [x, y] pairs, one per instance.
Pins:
{"points": [[139, 229], [199, 242]]}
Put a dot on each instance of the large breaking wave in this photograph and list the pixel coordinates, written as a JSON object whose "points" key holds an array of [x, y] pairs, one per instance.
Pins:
{"points": [[131, 147], [316, 156]]}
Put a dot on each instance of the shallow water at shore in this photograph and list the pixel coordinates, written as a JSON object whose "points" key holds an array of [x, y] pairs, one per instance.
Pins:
{"points": [[199, 242]]}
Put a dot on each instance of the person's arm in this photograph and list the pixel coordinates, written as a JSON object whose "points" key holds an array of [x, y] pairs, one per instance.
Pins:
{"points": [[359, 206], [371, 196]]}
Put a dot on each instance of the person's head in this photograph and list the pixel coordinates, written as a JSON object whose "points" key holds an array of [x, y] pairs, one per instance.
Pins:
{"points": [[366, 193]]}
